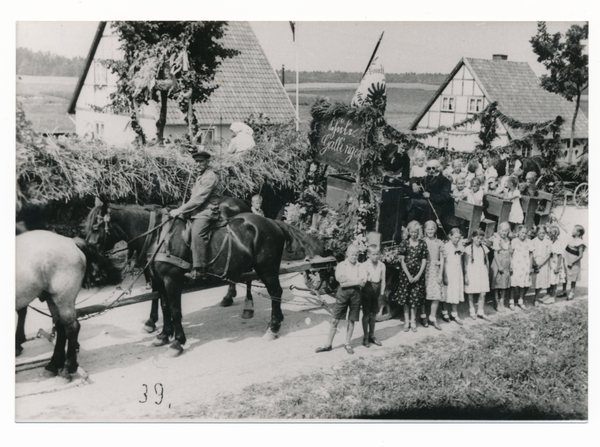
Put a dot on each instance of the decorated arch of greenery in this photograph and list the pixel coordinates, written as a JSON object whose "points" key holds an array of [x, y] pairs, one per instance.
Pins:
{"points": [[366, 131]]}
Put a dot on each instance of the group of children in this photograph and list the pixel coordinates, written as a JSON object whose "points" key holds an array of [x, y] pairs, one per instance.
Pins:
{"points": [[436, 272]]}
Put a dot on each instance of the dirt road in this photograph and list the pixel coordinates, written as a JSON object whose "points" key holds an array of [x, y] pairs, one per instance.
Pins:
{"points": [[129, 380]]}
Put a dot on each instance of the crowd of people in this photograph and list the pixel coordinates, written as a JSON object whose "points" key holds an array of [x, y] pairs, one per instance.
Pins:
{"points": [[437, 276]]}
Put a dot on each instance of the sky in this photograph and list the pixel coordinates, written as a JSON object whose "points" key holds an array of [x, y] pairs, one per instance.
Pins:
{"points": [[409, 46]]}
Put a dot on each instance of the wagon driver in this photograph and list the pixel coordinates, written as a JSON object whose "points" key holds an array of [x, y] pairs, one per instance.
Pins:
{"points": [[203, 209]]}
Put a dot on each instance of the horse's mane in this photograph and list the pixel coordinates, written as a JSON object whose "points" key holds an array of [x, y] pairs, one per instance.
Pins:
{"points": [[309, 245]]}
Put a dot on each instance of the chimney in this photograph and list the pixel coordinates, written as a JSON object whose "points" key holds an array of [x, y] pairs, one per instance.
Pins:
{"points": [[499, 57]]}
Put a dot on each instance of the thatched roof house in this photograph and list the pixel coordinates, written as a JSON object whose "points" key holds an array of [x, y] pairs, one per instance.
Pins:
{"points": [[475, 83], [247, 85]]}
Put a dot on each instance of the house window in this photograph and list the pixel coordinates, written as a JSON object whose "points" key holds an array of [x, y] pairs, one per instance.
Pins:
{"points": [[475, 105], [526, 152], [208, 136], [100, 73], [99, 130], [443, 143], [448, 103]]}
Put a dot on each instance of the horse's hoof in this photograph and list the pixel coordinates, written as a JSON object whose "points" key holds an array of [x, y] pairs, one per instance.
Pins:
{"points": [[247, 314], [158, 342], [64, 378], [175, 350], [49, 373], [226, 302], [270, 335], [149, 328]]}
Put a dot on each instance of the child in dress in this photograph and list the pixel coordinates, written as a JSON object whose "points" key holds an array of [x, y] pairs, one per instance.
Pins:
{"points": [[556, 267], [411, 285], [372, 293], [501, 267], [572, 256], [521, 266], [477, 274], [542, 252], [418, 168], [516, 215], [453, 275], [433, 273], [475, 195], [459, 189], [257, 205], [457, 170]]}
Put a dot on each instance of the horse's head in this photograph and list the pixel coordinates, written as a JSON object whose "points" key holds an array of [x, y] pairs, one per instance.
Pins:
{"points": [[100, 230]]}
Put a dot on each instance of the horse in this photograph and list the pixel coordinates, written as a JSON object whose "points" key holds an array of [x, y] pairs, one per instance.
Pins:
{"points": [[246, 241], [228, 208], [54, 268]]}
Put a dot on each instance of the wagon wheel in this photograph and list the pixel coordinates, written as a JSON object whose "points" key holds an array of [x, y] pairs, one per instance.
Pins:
{"points": [[581, 195], [553, 184]]}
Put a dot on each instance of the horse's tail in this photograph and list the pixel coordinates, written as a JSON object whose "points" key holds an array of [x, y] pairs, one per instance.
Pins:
{"points": [[309, 245], [99, 269]]}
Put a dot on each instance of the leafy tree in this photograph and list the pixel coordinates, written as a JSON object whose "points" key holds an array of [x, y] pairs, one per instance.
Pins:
{"points": [[167, 61], [566, 62]]}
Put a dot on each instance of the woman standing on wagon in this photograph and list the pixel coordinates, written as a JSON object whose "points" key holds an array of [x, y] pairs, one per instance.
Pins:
{"points": [[411, 286]]}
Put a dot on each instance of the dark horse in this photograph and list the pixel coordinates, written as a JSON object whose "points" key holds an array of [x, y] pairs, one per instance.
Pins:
{"points": [[53, 268], [247, 241], [229, 207]]}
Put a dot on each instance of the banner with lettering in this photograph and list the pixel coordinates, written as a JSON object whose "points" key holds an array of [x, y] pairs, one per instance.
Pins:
{"points": [[372, 89], [339, 142]]}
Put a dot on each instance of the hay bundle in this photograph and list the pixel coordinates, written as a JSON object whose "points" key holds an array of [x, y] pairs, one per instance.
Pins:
{"points": [[66, 168]]}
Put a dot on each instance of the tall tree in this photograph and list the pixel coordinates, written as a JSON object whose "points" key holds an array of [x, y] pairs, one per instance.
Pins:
{"points": [[566, 62], [167, 61]]}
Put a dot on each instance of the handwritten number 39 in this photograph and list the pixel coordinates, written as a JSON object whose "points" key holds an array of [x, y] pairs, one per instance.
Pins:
{"points": [[158, 390]]}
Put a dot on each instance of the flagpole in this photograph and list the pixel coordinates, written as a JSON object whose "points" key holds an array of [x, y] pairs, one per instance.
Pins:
{"points": [[373, 55], [297, 81]]}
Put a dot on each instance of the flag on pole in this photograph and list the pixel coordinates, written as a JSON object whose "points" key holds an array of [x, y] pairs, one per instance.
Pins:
{"points": [[293, 26], [372, 89]]}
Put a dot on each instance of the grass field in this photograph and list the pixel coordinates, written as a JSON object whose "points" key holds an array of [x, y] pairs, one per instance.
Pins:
{"points": [[46, 99], [524, 366]]}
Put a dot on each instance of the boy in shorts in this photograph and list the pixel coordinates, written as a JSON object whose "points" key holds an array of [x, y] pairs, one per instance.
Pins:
{"points": [[351, 280]]}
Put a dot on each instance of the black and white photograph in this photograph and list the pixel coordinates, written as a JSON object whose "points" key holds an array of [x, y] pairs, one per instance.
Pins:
{"points": [[350, 221]]}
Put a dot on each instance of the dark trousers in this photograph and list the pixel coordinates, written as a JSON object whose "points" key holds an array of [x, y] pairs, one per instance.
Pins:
{"points": [[200, 229]]}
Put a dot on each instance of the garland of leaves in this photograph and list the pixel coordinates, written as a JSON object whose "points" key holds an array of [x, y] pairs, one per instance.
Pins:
{"points": [[349, 222]]}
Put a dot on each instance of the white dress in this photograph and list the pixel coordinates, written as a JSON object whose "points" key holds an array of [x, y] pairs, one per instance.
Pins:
{"points": [[453, 273], [516, 212], [477, 269], [541, 250], [521, 265]]}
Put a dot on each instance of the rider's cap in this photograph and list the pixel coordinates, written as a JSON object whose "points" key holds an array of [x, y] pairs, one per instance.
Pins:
{"points": [[201, 155]]}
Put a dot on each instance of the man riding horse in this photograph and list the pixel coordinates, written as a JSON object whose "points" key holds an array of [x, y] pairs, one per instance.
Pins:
{"points": [[203, 209]]}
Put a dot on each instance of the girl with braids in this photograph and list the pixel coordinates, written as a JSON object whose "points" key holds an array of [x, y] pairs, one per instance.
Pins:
{"points": [[476, 274], [411, 285]]}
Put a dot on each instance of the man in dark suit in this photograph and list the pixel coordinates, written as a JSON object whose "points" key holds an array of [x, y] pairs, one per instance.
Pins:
{"points": [[434, 190]]}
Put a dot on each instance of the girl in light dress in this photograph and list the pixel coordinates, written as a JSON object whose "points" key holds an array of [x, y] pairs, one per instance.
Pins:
{"points": [[459, 188], [418, 168], [453, 275], [433, 274], [501, 265], [475, 195], [512, 193], [542, 252], [556, 267], [477, 274], [572, 256], [521, 266]]}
